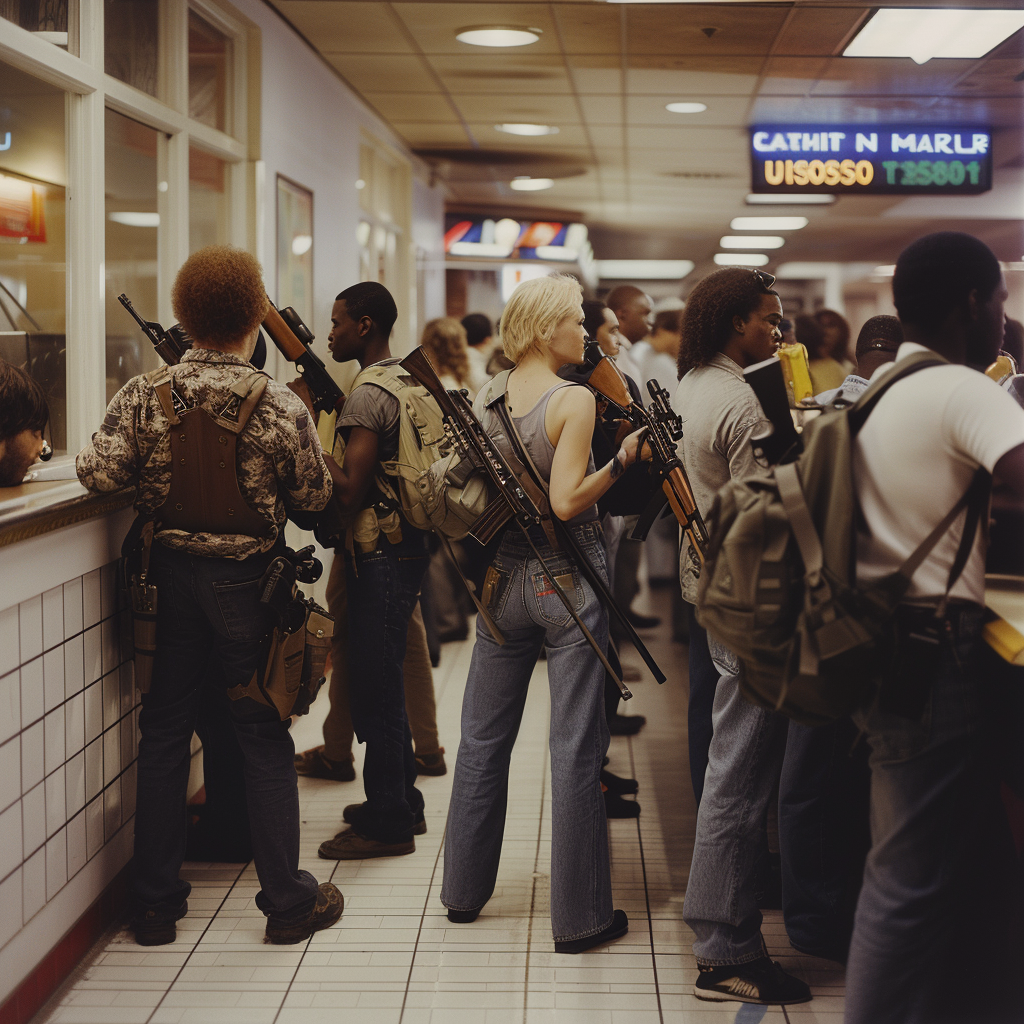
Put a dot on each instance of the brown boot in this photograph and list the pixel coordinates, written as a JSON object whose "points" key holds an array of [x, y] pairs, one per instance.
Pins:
{"points": [[350, 845], [328, 908], [431, 764], [314, 765], [352, 813]]}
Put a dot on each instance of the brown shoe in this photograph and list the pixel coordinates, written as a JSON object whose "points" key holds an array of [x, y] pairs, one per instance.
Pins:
{"points": [[329, 905], [352, 812], [350, 845], [431, 764], [314, 765]]}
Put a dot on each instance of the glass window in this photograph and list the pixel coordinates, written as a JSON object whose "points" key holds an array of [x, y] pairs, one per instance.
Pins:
{"points": [[132, 226], [33, 176], [208, 212], [209, 69], [46, 18], [130, 42]]}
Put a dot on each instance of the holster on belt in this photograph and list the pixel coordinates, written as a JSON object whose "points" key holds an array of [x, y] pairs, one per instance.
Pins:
{"points": [[142, 593]]}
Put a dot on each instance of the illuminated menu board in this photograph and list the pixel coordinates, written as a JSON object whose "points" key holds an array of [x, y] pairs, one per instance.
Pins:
{"points": [[858, 159]]}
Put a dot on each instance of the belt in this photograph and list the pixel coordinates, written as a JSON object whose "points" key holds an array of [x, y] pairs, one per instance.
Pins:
{"points": [[961, 618]]}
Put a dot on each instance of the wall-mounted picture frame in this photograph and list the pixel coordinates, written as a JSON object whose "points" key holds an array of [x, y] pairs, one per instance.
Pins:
{"points": [[295, 248]]}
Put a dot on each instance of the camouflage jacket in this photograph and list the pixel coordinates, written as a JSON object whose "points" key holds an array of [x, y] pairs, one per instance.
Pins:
{"points": [[280, 463]]}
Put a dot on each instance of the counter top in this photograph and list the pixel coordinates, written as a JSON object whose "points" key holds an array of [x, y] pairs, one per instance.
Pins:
{"points": [[41, 506]]}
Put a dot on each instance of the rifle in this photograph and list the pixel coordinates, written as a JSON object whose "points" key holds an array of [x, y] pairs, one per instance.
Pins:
{"points": [[781, 443], [294, 341], [519, 501], [170, 345], [664, 429]]}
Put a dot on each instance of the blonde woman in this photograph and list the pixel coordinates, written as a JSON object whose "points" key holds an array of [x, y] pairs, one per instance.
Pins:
{"points": [[541, 330], [447, 348]]}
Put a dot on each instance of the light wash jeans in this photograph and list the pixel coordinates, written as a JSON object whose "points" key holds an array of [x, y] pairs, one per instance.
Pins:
{"points": [[744, 762], [530, 614]]}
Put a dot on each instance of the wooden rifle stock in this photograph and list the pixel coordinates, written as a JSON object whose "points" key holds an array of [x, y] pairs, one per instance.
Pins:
{"points": [[327, 396], [282, 335]]}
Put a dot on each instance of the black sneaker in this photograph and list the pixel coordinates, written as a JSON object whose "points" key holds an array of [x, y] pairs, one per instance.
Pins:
{"points": [[328, 908], [625, 725], [156, 927], [618, 784], [759, 981]]}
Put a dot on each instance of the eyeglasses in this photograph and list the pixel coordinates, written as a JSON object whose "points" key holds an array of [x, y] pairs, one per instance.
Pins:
{"points": [[764, 280]]}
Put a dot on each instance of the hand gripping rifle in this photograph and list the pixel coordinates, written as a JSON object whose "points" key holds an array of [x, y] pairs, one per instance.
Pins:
{"points": [[664, 429], [519, 500]]}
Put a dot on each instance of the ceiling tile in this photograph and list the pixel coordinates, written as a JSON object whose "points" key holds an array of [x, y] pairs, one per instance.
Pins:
{"points": [[817, 31], [570, 136], [995, 77], [723, 111], [791, 76], [412, 107], [678, 29], [605, 137], [859, 76], [593, 28], [540, 108], [353, 27], [367, 72], [602, 110], [709, 76], [435, 25], [596, 73], [517, 73], [426, 135]]}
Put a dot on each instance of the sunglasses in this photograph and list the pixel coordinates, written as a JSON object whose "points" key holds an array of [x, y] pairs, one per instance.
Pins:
{"points": [[764, 280]]}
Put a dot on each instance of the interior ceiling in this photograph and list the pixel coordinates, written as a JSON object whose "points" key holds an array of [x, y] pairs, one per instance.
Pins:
{"points": [[649, 183]]}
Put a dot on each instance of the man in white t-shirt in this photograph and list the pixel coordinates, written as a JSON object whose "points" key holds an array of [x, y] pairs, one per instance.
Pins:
{"points": [[915, 457]]}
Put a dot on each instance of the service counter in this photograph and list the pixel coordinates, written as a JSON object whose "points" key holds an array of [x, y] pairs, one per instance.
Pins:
{"points": [[68, 714]]}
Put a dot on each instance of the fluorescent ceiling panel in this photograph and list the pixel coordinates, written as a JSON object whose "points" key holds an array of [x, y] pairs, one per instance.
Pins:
{"points": [[741, 259], [767, 223], [134, 219], [499, 36], [531, 184], [752, 241], [644, 270], [923, 33], [778, 199]]}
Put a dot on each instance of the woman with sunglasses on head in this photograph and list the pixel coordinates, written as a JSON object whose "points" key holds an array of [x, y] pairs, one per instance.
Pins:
{"points": [[541, 330], [731, 321]]}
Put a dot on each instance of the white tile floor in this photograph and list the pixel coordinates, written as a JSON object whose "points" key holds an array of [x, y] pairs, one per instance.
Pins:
{"points": [[394, 958]]}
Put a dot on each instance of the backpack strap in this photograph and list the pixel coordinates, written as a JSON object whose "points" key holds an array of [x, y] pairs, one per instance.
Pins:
{"points": [[162, 382], [859, 412], [245, 396]]}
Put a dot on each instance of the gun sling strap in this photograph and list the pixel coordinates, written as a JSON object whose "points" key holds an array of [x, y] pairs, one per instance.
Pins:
{"points": [[522, 457]]}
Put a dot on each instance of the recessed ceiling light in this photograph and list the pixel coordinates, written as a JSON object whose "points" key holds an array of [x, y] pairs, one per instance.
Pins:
{"points": [[767, 223], [498, 35], [301, 244], [525, 183], [885, 271], [686, 108], [779, 199], [134, 219], [526, 129], [644, 270], [923, 33], [752, 241], [741, 259]]}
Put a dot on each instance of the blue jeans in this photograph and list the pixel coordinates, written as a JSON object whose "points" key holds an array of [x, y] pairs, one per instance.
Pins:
{"points": [[703, 684], [744, 761], [925, 781], [383, 587], [529, 613], [209, 627]]}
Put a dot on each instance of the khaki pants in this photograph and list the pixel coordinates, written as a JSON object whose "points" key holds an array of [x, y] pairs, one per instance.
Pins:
{"points": [[416, 671]]}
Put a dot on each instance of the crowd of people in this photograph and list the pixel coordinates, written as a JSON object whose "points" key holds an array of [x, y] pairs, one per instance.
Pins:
{"points": [[884, 819]]}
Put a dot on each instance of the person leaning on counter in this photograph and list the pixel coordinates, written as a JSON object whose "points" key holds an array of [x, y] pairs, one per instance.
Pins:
{"points": [[23, 415]]}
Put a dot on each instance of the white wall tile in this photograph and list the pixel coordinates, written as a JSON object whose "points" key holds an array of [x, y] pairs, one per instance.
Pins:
{"points": [[56, 808], [111, 810], [93, 711], [74, 725], [54, 733], [10, 907], [53, 678], [108, 589], [10, 772], [33, 888], [111, 698], [74, 777], [32, 703], [92, 611], [33, 819], [94, 827], [30, 627], [32, 760], [74, 665], [129, 783], [76, 845], [111, 646], [93, 643], [10, 704], [53, 618], [93, 769], [127, 727], [10, 643], [111, 754], [73, 607], [128, 695], [56, 864], [12, 850]]}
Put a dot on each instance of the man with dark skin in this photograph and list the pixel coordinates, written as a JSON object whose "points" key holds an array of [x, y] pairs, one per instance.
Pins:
{"points": [[632, 306], [384, 567]]}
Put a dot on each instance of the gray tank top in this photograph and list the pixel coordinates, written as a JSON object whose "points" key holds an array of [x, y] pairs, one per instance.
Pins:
{"points": [[535, 437]]}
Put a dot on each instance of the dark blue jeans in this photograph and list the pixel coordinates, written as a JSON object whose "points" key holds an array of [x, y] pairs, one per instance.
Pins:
{"points": [[383, 586], [209, 627], [703, 683]]}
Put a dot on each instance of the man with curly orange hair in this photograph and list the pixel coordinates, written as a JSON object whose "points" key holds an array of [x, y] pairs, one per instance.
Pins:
{"points": [[220, 456]]}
